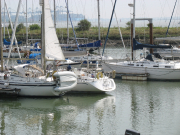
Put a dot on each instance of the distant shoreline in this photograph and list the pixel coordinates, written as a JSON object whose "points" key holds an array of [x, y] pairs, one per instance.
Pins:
{"points": [[142, 34]]}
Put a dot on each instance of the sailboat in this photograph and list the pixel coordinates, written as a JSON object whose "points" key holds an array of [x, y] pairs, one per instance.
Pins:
{"points": [[30, 80], [171, 53], [152, 68]]}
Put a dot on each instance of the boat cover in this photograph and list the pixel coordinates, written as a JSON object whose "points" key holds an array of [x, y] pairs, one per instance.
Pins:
{"points": [[9, 43], [137, 45], [94, 44]]}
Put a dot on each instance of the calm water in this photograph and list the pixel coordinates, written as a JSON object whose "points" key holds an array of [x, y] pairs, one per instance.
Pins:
{"points": [[152, 108]]}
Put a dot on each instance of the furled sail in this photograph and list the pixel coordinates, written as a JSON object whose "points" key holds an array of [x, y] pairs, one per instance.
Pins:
{"points": [[52, 46], [137, 45]]}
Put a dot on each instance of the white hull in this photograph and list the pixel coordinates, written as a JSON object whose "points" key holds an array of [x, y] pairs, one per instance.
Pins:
{"points": [[30, 85], [98, 85], [28, 90], [153, 73]]}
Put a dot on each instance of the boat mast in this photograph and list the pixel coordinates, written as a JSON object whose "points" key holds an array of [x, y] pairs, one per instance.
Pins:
{"points": [[4, 19], [67, 23], [14, 31], [1, 40], [26, 27], [12, 27], [55, 14], [99, 34], [43, 39], [134, 53]]}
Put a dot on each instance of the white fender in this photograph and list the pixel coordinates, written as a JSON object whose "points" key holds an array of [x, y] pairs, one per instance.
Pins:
{"points": [[65, 76]]}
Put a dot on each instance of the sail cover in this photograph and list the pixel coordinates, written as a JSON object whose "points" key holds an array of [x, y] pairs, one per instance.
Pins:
{"points": [[137, 45], [52, 46]]}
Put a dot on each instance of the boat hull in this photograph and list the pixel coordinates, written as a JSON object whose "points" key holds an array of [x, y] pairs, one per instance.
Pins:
{"points": [[153, 73], [98, 86], [33, 89]]}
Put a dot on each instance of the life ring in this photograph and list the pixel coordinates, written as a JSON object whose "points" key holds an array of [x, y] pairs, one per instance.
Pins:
{"points": [[54, 78], [113, 74], [99, 73]]}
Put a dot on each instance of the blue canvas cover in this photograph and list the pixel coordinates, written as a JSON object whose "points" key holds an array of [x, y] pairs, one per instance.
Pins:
{"points": [[8, 43], [94, 44], [137, 45]]}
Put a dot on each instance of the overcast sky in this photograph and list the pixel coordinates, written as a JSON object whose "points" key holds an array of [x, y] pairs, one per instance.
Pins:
{"points": [[144, 8]]}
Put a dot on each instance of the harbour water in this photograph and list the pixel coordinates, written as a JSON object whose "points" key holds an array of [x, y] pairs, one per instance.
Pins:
{"points": [[152, 108], [149, 107]]}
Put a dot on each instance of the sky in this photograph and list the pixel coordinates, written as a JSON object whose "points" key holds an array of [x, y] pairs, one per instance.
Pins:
{"points": [[143, 8]]}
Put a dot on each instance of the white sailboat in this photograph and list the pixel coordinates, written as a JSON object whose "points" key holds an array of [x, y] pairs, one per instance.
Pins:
{"points": [[155, 69], [31, 80], [172, 53], [93, 82]]}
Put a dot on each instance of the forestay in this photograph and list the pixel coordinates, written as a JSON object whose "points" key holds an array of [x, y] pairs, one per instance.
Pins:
{"points": [[52, 46]]}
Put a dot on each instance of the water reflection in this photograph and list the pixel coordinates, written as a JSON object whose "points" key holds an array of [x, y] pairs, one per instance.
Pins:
{"points": [[67, 115], [150, 107]]}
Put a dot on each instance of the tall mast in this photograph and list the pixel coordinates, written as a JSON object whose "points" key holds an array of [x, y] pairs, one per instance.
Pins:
{"points": [[1, 41], [99, 36], [67, 24], [55, 14], [99, 33], [26, 26], [134, 20], [133, 31], [4, 19], [14, 31], [43, 30]]}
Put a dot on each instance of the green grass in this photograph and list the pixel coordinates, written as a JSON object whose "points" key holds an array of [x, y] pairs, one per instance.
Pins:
{"points": [[93, 33]]}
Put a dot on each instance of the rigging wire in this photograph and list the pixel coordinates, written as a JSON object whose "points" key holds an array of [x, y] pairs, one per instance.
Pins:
{"points": [[109, 27], [171, 18], [118, 26], [71, 24]]}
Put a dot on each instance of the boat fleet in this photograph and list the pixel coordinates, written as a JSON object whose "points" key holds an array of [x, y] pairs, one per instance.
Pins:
{"points": [[50, 71]]}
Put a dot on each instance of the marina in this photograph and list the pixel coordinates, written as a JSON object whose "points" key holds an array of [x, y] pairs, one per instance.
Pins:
{"points": [[50, 84]]}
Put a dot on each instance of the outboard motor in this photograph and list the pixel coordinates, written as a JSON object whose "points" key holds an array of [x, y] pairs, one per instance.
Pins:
{"points": [[131, 132]]}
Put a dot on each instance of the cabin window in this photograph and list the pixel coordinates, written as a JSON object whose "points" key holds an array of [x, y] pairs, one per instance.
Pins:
{"points": [[167, 66], [156, 66], [137, 65], [131, 64]]}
